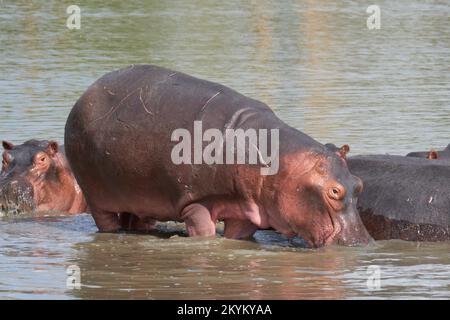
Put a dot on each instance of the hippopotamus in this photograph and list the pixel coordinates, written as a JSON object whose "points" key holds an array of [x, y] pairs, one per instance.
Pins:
{"points": [[36, 176], [441, 155], [123, 140], [404, 197]]}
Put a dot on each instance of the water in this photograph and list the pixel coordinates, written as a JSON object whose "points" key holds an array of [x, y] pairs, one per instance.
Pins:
{"points": [[316, 64]]}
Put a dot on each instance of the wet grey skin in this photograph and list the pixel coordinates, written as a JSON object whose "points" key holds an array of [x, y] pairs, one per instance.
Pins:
{"points": [[432, 154], [404, 198]]}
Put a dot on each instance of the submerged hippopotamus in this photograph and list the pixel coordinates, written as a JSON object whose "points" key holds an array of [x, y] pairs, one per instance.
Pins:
{"points": [[404, 197], [35, 176], [441, 155], [123, 141]]}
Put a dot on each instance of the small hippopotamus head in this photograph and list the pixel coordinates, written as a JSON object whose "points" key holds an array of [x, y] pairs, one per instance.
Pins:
{"points": [[26, 172], [319, 198]]}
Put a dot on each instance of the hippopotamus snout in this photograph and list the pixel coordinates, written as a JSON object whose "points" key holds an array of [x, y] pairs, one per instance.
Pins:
{"points": [[352, 230], [16, 195]]}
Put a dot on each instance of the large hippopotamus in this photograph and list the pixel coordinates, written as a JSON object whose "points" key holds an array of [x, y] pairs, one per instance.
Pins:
{"points": [[441, 155], [404, 197], [123, 141], [36, 176]]}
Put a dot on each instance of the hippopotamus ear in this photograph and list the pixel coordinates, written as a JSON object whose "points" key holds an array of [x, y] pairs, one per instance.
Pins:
{"points": [[344, 150], [7, 145], [52, 148], [432, 155]]}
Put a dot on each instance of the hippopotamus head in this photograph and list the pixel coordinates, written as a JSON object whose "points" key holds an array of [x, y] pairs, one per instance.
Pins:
{"points": [[432, 154], [26, 170], [319, 198]]}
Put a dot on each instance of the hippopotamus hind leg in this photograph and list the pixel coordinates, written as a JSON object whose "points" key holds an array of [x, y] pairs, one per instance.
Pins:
{"points": [[106, 221], [131, 222], [198, 220]]}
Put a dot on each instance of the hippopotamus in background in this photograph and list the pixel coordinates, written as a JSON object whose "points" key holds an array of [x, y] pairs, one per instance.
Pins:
{"points": [[441, 155], [404, 197], [36, 176], [118, 142]]}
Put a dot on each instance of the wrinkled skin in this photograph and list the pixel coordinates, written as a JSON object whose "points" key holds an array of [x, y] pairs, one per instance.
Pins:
{"points": [[118, 142], [35, 176], [404, 197], [432, 155]]}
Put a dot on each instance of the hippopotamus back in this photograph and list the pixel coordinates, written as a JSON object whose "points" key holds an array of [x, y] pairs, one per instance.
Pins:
{"points": [[404, 198], [432, 154], [130, 114]]}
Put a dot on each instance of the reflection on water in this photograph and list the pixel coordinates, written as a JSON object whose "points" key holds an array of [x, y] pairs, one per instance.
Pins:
{"points": [[315, 63]]}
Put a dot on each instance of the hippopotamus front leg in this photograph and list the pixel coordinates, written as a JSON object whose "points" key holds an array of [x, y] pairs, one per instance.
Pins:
{"points": [[239, 229], [198, 220]]}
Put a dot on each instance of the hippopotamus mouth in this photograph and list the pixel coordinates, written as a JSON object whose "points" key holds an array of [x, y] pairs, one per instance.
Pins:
{"points": [[330, 238], [346, 228], [336, 230], [327, 233], [16, 197]]}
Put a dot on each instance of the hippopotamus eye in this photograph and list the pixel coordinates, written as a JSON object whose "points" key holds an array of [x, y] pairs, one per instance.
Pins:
{"points": [[40, 158], [336, 192]]}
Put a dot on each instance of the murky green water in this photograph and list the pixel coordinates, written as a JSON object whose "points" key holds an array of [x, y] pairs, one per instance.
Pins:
{"points": [[315, 63]]}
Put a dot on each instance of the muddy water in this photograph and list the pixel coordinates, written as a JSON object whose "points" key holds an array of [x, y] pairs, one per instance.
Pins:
{"points": [[315, 63], [37, 252]]}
